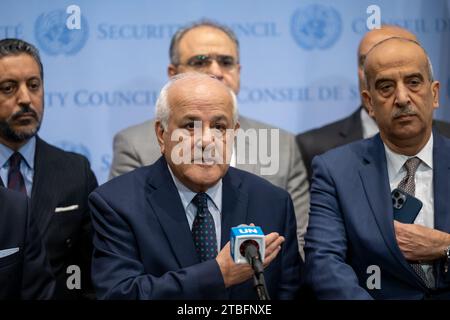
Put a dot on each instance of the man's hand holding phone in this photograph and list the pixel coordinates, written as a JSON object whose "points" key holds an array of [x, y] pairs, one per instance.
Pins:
{"points": [[417, 243]]}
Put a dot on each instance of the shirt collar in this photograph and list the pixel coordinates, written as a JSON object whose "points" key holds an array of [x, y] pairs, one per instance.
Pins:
{"points": [[186, 194], [27, 151], [396, 161]]}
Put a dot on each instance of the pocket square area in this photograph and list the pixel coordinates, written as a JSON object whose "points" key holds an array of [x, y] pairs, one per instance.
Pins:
{"points": [[8, 252], [68, 208]]}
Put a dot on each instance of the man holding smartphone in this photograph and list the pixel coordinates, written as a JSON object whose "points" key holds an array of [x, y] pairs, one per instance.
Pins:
{"points": [[354, 248]]}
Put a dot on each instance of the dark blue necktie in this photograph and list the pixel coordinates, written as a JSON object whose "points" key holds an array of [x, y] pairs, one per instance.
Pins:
{"points": [[15, 178], [203, 229]]}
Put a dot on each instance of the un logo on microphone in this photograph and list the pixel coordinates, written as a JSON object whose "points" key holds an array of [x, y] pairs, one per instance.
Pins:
{"points": [[53, 36], [316, 27], [74, 147]]}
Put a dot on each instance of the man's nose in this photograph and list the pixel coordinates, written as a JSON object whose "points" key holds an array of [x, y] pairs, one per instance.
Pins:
{"points": [[216, 70], [23, 95], [402, 97], [207, 136]]}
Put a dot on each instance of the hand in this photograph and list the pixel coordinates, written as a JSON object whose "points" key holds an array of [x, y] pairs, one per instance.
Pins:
{"points": [[273, 247], [419, 243], [233, 273]]}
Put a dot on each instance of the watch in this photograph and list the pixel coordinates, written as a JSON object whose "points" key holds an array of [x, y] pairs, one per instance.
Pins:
{"points": [[447, 252], [447, 258]]}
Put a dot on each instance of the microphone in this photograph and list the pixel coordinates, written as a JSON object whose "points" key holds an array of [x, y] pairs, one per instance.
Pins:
{"points": [[250, 250], [245, 238], [248, 246]]}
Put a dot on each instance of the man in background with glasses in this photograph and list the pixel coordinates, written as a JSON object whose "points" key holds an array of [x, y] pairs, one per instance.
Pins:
{"points": [[208, 47]]}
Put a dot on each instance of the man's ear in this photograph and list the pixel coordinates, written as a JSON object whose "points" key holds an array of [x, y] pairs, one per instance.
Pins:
{"points": [[171, 70], [435, 92], [367, 98], [159, 130], [237, 126]]}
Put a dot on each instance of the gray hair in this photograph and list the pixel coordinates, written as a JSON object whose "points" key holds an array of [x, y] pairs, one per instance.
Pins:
{"points": [[174, 53], [429, 65], [162, 109], [14, 47]]}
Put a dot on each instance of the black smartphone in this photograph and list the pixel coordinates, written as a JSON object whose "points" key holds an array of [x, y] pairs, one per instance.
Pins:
{"points": [[406, 207]]}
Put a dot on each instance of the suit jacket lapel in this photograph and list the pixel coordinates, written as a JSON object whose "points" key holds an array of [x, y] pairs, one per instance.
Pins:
{"points": [[375, 180], [163, 197], [45, 186], [234, 204], [441, 183]]}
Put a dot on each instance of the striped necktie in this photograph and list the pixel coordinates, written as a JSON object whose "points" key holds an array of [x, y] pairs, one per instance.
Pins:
{"points": [[15, 178], [408, 185]]}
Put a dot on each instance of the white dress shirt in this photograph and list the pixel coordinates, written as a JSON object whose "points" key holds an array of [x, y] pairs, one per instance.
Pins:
{"points": [[423, 181], [27, 151], [214, 204]]}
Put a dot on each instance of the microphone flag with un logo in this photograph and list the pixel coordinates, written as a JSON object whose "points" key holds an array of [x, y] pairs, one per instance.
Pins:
{"points": [[243, 236]]}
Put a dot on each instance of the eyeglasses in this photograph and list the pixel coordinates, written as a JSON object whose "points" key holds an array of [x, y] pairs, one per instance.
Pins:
{"points": [[203, 61]]}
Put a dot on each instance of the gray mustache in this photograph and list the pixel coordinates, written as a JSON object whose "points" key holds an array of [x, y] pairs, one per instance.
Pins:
{"points": [[407, 111]]}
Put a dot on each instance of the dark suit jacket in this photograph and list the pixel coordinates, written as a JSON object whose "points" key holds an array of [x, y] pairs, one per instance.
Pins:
{"points": [[339, 133], [63, 179], [351, 225], [143, 247], [26, 273]]}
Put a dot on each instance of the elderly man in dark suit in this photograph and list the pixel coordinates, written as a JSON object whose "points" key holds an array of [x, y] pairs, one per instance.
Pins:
{"points": [[359, 124], [24, 269], [355, 247], [57, 182], [211, 48], [161, 231]]}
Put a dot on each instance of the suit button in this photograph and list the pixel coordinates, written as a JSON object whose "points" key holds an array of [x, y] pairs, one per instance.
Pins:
{"points": [[69, 243]]}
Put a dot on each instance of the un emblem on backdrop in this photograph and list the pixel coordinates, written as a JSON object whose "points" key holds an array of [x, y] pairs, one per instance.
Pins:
{"points": [[73, 147], [53, 36], [316, 26]]}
